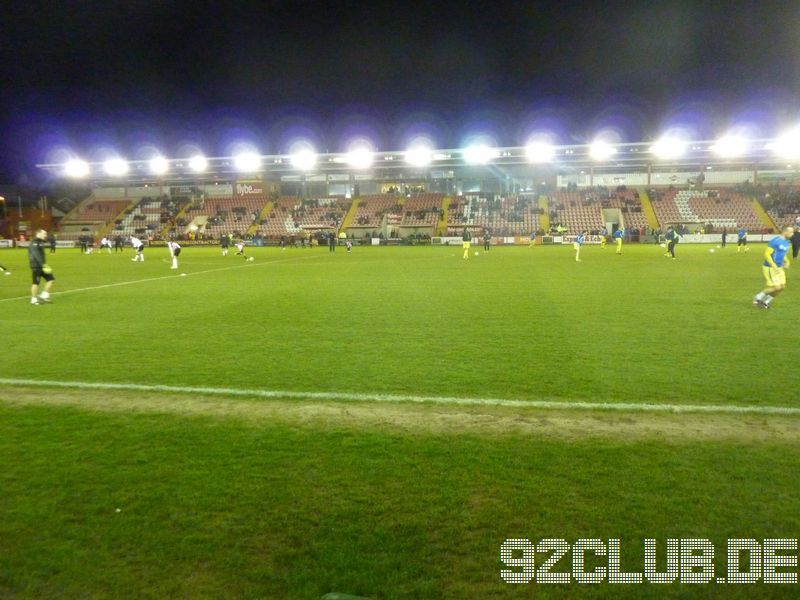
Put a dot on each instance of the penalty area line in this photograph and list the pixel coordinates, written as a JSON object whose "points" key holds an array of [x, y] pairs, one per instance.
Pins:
{"points": [[410, 398]]}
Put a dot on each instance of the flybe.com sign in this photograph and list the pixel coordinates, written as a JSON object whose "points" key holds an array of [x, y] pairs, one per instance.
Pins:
{"points": [[250, 189]]}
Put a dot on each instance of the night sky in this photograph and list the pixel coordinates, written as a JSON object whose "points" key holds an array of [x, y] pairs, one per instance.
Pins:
{"points": [[204, 73]]}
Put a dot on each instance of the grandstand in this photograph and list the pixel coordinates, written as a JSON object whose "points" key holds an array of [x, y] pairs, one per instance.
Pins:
{"points": [[720, 208], [423, 210], [148, 218], [290, 216], [500, 215], [397, 216], [591, 209], [782, 205], [213, 217], [374, 213], [90, 218]]}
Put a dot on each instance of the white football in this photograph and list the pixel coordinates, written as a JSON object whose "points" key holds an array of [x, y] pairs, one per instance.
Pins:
{"points": [[663, 245], [250, 258], [476, 253], [711, 250]]}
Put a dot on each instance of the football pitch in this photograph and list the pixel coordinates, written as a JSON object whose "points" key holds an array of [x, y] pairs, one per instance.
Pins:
{"points": [[378, 423]]}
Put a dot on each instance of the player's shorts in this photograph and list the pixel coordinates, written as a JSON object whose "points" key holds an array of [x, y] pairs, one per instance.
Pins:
{"points": [[38, 275], [176, 253], [576, 245], [743, 241], [774, 277], [619, 241], [140, 248], [466, 245]]}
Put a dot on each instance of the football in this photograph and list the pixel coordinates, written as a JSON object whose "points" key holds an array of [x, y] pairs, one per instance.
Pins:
{"points": [[250, 259]]}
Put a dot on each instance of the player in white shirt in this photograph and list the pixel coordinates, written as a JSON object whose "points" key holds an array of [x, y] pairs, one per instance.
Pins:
{"points": [[174, 251], [137, 245], [105, 243], [240, 247]]}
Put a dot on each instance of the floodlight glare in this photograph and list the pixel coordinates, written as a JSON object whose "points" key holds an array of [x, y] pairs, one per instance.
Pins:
{"points": [[788, 145], [730, 146], [115, 167], [247, 162], [198, 163], [159, 165], [669, 148], [303, 160], [479, 154], [600, 150], [76, 168], [539, 152], [419, 156], [359, 158]]}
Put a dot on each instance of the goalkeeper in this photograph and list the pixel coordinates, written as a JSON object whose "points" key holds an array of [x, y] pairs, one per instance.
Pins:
{"points": [[39, 268]]}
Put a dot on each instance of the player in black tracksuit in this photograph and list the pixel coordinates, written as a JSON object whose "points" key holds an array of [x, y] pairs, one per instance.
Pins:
{"points": [[796, 242], [39, 268]]}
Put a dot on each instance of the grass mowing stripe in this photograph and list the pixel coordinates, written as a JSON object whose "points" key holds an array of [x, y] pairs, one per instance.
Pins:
{"points": [[170, 276], [373, 397]]}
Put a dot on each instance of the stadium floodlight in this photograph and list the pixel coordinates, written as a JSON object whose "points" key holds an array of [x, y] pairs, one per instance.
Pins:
{"points": [[539, 152], [359, 158], [115, 167], [730, 146], [198, 163], [247, 162], [788, 145], [479, 154], [159, 165], [419, 156], [668, 148], [601, 150], [305, 159], [76, 168]]}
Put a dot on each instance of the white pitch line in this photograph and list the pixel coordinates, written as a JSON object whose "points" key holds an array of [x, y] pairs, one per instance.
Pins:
{"points": [[376, 397], [170, 276]]}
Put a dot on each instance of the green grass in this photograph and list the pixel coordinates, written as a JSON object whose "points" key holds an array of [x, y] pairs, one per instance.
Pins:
{"points": [[292, 499], [517, 323]]}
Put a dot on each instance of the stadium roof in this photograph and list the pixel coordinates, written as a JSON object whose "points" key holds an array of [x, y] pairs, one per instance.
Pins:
{"points": [[663, 154]]}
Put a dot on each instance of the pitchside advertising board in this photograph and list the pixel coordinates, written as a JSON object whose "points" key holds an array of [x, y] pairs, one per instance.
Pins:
{"points": [[26, 243]]}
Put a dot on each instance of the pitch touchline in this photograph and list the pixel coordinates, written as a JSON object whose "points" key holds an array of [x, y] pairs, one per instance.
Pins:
{"points": [[171, 276], [375, 397]]}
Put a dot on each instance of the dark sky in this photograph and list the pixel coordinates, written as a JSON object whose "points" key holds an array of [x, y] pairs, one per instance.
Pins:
{"points": [[83, 73]]}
